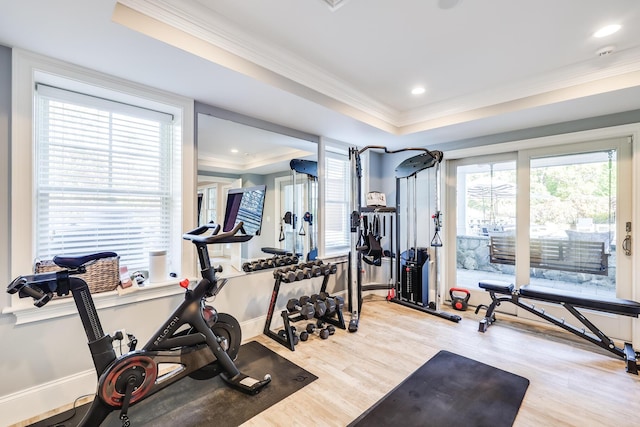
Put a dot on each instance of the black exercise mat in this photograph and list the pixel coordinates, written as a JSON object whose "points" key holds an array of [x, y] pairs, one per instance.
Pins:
{"points": [[210, 402], [450, 390]]}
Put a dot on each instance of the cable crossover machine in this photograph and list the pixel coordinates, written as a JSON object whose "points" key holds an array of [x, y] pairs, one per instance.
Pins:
{"points": [[409, 283]]}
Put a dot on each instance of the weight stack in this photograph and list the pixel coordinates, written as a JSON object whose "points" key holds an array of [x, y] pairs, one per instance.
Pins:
{"points": [[414, 276]]}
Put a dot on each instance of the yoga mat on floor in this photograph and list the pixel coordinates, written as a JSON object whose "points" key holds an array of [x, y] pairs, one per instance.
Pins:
{"points": [[450, 390], [210, 402]]}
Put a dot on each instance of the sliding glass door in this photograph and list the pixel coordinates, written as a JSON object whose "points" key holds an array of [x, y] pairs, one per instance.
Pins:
{"points": [[554, 217], [486, 210]]}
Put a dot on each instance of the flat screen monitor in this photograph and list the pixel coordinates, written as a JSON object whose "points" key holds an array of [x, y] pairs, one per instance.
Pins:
{"points": [[246, 205]]}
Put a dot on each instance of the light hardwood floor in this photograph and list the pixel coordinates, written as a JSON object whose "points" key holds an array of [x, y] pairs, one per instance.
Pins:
{"points": [[572, 382]]}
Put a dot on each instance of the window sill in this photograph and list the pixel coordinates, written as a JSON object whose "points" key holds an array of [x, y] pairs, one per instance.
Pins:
{"points": [[26, 312]]}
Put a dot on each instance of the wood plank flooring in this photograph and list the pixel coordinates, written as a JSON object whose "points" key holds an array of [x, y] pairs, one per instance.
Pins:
{"points": [[572, 382]]}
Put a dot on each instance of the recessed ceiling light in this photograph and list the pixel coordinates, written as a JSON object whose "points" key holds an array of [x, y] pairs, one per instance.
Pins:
{"points": [[233, 150], [418, 90], [607, 31]]}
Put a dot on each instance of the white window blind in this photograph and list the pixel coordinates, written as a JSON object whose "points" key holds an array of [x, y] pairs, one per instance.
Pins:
{"points": [[103, 177], [337, 203]]}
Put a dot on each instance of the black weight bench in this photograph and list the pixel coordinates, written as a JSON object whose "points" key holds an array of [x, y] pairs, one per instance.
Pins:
{"points": [[505, 292]]}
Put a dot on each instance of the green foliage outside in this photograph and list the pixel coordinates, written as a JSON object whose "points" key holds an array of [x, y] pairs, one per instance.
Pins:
{"points": [[560, 194]]}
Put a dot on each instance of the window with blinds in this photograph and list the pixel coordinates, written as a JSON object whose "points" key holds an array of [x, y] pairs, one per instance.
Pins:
{"points": [[337, 203], [103, 177]]}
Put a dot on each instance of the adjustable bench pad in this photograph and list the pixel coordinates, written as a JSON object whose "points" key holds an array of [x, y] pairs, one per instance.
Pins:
{"points": [[610, 305], [496, 286]]}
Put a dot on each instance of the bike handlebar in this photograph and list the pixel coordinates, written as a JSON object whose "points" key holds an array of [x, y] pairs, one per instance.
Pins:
{"points": [[41, 286], [230, 236], [27, 288]]}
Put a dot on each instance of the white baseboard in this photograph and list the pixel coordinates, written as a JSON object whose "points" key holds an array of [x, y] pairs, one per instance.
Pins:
{"points": [[37, 401], [255, 327], [34, 401]]}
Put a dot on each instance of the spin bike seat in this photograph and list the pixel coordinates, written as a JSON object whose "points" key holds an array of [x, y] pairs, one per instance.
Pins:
{"points": [[73, 262]]}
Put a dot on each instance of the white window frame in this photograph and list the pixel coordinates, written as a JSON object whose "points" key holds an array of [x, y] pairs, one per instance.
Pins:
{"points": [[29, 69], [630, 130], [335, 152]]}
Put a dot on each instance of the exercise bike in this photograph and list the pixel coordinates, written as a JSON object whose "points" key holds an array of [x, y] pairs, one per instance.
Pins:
{"points": [[195, 340]]}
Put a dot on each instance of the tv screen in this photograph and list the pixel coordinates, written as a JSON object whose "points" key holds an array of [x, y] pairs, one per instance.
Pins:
{"points": [[246, 205]]}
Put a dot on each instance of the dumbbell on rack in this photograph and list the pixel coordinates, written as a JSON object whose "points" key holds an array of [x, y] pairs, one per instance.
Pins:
{"points": [[323, 331], [319, 305], [260, 264], [294, 335], [322, 306], [304, 308]]}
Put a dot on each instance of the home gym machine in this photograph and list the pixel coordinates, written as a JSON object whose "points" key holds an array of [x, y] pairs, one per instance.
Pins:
{"points": [[294, 245], [409, 268]]}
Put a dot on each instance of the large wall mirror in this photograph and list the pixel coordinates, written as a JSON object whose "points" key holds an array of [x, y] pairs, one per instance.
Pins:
{"points": [[236, 153]]}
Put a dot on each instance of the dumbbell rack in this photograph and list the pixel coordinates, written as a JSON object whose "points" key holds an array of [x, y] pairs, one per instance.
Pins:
{"points": [[297, 273]]}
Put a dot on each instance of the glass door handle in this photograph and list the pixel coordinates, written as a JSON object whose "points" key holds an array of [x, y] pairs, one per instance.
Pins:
{"points": [[626, 245]]}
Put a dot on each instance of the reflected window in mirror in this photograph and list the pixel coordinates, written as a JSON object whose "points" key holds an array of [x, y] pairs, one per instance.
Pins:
{"points": [[293, 200], [208, 204], [233, 146]]}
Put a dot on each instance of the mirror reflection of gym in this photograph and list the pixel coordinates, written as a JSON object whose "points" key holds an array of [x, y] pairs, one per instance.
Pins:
{"points": [[233, 155]]}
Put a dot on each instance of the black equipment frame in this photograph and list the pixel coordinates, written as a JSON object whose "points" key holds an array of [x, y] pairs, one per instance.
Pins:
{"points": [[571, 302], [407, 169], [336, 319], [191, 337], [310, 169]]}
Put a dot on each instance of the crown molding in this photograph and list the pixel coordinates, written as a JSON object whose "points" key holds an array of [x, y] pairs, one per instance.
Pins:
{"points": [[597, 75], [318, 85], [203, 23]]}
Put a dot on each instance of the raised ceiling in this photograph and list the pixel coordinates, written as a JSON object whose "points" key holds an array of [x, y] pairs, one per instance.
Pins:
{"points": [[344, 69]]}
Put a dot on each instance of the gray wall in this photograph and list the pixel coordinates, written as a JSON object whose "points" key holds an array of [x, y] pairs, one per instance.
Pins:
{"points": [[37, 353], [36, 356], [5, 180]]}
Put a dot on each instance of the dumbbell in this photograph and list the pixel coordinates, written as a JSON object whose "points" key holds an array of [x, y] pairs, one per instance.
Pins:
{"points": [[261, 264], [319, 306], [305, 309], [323, 333], [327, 269], [290, 260], [294, 275], [308, 273], [329, 301], [287, 274], [296, 338], [316, 270], [321, 323]]}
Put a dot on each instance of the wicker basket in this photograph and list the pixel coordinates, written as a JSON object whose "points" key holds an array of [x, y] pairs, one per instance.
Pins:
{"points": [[102, 276]]}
